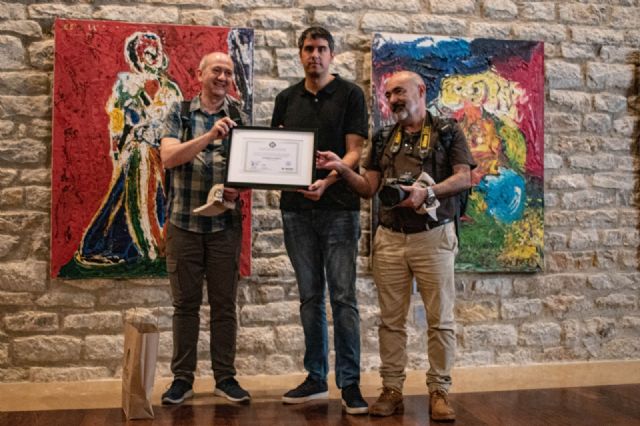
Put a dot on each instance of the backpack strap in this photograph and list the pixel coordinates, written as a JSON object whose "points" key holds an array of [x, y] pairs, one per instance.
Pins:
{"points": [[185, 119]]}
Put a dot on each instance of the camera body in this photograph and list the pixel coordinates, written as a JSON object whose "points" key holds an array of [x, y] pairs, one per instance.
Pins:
{"points": [[391, 193]]}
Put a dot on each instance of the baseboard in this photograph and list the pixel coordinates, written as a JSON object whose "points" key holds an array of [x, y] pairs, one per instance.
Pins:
{"points": [[106, 393]]}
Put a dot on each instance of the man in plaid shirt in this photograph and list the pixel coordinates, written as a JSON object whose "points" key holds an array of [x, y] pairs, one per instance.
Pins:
{"points": [[201, 246]]}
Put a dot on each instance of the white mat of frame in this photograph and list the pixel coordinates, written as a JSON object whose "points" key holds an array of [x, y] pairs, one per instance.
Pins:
{"points": [[106, 393]]}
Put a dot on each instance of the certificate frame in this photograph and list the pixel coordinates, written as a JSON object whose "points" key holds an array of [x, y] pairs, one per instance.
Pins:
{"points": [[271, 158]]}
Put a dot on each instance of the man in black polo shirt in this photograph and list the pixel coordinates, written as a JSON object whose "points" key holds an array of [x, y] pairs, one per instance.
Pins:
{"points": [[321, 224], [417, 237]]}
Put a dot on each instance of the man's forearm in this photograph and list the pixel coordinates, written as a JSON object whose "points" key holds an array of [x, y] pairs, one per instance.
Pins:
{"points": [[173, 153]]}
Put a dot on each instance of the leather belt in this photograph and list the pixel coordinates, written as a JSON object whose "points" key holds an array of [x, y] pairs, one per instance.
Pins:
{"points": [[415, 229]]}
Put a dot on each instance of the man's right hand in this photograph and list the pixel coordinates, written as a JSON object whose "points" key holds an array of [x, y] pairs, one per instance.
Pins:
{"points": [[221, 128], [327, 160]]}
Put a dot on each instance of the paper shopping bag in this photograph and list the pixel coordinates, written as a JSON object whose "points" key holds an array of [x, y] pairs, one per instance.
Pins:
{"points": [[138, 368]]}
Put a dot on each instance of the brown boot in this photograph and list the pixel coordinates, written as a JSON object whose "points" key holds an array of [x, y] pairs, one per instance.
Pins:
{"points": [[389, 402], [441, 410]]}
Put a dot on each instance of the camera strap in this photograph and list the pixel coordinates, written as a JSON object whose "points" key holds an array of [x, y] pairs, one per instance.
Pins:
{"points": [[424, 141]]}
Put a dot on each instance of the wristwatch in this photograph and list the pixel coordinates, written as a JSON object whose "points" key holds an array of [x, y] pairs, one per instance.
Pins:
{"points": [[431, 196]]}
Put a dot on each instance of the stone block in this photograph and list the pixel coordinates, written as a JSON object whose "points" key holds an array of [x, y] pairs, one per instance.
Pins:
{"points": [[53, 10], [613, 180], [574, 101], [561, 304], [12, 11], [31, 321], [332, 19], [626, 126], [213, 17], [577, 51], [46, 348], [492, 286], [607, 76], [583, 14], [12, 198], [573, 181], [564, 75], [499, 9], [138, 13], [538, 11], [41, 54], [609, 102], [583, 239], [136, 297], [543, 334], [472, 311], [94, 321], [383, 21], [104, 347], [276, 19], [479, 336], [67, 374], [468, 359], [625, 17], [617, 301], [270, 313], [4, 354], [267, 89], [586, 199], [23, 28], [500, 30], [256, 340], [29, 276], [562, 123], [452, 7], [591, 35], [12, 52], [520, 308], [628, 347], [15, 299], [439, 25], [549, 33]]}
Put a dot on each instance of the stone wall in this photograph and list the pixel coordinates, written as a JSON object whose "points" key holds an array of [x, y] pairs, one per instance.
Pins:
{"points": [[583, 307]]}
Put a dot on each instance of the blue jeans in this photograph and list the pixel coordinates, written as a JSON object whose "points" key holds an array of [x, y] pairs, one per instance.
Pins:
{"points": [[324, 244]]}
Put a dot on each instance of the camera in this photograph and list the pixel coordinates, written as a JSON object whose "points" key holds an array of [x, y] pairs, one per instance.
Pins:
{"points": [[391, 194]]}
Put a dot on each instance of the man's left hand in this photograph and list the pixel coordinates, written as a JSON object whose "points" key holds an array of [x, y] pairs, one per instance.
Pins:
{"points": [[315, 191], [416, 197]]}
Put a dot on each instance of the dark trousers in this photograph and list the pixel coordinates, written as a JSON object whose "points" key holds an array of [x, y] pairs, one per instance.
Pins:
{"points": [[192, 257]]}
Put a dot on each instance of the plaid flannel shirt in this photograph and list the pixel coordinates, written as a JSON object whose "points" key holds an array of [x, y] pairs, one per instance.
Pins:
{"points": [[190, 182]]}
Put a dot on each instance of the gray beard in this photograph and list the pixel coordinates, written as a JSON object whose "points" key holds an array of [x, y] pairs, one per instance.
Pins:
{"points": [[401, 115]]}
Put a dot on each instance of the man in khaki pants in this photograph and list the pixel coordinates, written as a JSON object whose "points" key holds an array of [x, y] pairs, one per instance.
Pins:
{"points": [[417, 239]]}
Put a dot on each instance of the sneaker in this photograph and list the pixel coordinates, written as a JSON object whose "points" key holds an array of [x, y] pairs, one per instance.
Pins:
{"points": [[230, 389], [352, 400], [389, 402], [177, 392], [441, 410], [308, 390]]}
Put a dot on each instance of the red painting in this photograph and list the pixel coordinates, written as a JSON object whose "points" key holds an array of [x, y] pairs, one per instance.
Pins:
{"points": [[113, 85]]}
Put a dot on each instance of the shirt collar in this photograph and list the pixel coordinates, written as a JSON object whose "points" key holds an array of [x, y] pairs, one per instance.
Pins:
{"points": [[196, 105], [328, 89]]}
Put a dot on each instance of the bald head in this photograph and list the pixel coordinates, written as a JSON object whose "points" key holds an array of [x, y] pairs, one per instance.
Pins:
{"points": [[405, 78], [215, 56]]}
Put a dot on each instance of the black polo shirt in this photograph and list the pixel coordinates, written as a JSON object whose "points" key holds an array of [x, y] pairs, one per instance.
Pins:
{"points": [[337, 110]]}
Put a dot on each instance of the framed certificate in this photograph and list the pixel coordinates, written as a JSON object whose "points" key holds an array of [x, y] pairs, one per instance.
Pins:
{"points": [[271, 158]]}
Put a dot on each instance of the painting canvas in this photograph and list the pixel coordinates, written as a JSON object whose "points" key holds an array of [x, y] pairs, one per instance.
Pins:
{"points": [[114, 83], [495, 90]]}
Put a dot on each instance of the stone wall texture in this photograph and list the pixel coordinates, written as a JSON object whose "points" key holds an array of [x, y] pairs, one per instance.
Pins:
{"points": [[584, 306]]}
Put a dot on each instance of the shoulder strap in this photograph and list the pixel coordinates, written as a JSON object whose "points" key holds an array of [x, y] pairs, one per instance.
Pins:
{"points": [[185, 118]]}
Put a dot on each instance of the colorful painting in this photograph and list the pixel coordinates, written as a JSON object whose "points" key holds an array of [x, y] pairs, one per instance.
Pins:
{"points": [[495, 90], [114, 83]]}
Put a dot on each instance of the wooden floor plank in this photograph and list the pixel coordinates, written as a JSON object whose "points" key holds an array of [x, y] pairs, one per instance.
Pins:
{"points": [[603, 405]]}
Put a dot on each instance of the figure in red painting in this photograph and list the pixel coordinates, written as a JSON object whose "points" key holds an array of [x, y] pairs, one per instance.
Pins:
{"points": [[129, 224]]}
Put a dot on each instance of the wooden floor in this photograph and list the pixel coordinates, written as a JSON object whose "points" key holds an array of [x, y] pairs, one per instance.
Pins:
{"points": [[597, 406]]}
